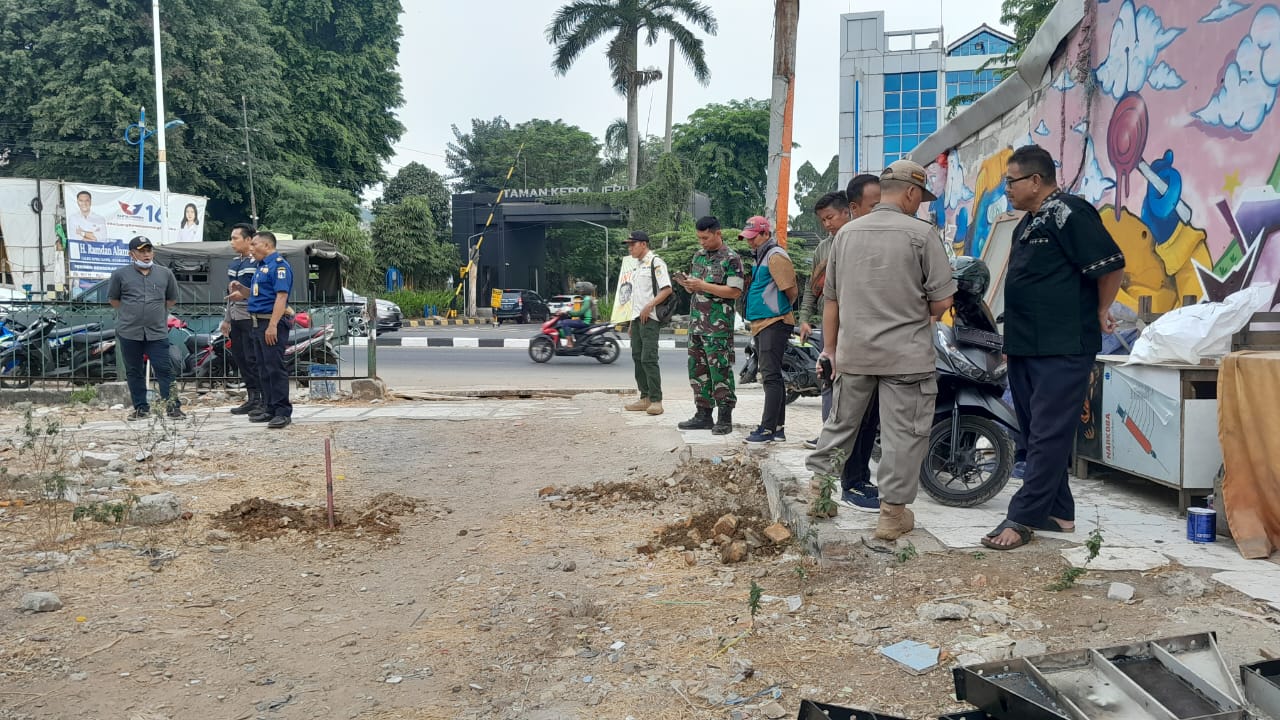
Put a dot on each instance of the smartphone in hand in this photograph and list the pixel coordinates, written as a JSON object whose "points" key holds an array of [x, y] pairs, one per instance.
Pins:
{"points": [[826, 373]]}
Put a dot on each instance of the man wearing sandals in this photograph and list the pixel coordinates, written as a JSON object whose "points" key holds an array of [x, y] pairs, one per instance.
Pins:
{"points": [[1064, 272]]}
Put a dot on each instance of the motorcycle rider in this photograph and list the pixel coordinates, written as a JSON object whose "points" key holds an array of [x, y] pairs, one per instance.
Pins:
{"points": [[581, 318], [715, 280], [888, 279]]}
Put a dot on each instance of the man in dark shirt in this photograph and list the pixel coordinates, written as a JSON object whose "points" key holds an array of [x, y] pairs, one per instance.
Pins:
{"points": [[1064, 273], [142, 293]]}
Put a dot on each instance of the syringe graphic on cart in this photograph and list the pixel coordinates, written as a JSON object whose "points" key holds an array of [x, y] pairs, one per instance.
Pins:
{"points": [[1138, 435]]}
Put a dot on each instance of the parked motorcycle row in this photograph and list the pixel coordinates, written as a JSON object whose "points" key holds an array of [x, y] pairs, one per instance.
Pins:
{"points": [[49, 349]]}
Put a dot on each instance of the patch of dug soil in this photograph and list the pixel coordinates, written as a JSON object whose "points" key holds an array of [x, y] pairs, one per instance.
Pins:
{"points": [[724, 500], [257, 518]]}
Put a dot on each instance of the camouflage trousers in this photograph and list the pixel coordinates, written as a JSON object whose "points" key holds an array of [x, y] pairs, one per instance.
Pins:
{"points": [[711, 361]]}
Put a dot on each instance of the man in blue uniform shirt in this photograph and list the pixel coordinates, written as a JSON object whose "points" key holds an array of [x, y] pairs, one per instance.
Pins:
{"points": [[267, 301], [236, 323]]}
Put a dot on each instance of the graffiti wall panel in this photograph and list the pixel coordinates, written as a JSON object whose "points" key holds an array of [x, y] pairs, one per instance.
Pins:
{"points": [[1162, 114]]}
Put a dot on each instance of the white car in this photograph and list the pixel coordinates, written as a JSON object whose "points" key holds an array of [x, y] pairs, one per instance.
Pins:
{"points": [[563, 303], [390, 318]]}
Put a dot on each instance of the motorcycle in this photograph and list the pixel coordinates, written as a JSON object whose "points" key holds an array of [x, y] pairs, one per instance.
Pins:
{"points": [[799, 363], [971, 447], [307, 347], [599, 341], [42, 349]]}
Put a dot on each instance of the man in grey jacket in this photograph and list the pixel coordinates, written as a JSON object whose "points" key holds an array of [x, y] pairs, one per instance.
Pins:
{"points": [[142, 293]]}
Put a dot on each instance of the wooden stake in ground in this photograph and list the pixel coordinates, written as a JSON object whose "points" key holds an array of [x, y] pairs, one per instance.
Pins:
{"points": [[328, 478]]}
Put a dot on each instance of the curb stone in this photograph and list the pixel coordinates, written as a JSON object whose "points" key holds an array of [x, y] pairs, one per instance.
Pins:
{"points": [[501, 343]]}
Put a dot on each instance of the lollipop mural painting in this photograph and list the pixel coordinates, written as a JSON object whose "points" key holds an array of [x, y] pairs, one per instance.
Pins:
{"points": [[1171, 139]]}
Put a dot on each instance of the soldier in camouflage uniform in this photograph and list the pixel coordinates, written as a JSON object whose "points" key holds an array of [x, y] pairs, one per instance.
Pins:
{"points": [[715, 280]]}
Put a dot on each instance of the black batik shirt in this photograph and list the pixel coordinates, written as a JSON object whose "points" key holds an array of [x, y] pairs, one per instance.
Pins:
{"points": [[1051, 291]]}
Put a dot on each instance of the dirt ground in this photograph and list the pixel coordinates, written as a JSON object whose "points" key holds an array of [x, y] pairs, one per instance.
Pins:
{"points": [[495, 569]]}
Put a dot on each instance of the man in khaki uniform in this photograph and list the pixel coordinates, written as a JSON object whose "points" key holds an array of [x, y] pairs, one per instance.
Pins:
{"points": [[888, 278]]}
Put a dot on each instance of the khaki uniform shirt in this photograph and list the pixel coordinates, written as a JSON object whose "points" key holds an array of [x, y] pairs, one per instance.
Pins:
{"points": [[884, 270]]}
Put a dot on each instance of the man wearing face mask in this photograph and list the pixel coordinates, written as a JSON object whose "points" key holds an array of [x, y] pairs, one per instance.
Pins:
{"points": [[142, 293]]}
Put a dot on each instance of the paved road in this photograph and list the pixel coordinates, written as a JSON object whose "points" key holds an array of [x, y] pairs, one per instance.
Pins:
{"points": [[481, 368]]}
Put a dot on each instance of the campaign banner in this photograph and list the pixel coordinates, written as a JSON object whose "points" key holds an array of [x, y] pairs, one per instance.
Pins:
{"points": [[101, 219], [622, 301]]}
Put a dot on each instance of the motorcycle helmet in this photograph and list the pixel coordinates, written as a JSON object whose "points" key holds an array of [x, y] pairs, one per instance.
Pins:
{"points": [[971, 275], [584, 288]]}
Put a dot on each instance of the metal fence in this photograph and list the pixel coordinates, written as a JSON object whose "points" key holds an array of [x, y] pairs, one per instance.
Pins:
{"points": [[74, 343]]}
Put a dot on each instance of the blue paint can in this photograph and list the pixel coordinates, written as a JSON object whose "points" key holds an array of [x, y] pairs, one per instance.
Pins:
{"points": [[1202, 525]]}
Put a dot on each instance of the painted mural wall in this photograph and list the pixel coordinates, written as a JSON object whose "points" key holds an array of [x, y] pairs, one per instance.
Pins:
{"points": [[1162, 114]]}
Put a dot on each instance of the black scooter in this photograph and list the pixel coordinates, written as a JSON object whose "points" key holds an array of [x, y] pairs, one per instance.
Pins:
{"points": [[971, 445]]}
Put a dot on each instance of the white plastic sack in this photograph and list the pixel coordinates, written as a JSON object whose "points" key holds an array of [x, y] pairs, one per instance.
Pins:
{"points": [[1195, 331]]}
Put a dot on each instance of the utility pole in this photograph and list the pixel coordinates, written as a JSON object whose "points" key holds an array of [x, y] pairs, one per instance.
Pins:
{"points": [[160, 116], [786, 17], [671, 79], [248, 159]]}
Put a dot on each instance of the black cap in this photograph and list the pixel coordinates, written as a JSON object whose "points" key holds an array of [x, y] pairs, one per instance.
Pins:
{"points": [[138, 242], [638, 236]]}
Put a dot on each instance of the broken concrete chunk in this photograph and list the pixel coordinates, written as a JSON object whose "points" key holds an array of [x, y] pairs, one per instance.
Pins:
{"points": [[777, 533], [1120, 591], [726, 525], [942, 611], [156, 509], [40, 602]]}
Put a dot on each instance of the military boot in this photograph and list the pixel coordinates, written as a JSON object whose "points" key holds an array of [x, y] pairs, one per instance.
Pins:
{"points": [[251, 403], [724, 422], [701, 420]]}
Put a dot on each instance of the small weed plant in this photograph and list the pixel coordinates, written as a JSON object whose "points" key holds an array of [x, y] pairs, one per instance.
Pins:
{"points": [[1069, 576]]}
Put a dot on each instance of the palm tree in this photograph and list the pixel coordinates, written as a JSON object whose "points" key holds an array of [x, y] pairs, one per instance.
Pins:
{"points": [[579, 24]]}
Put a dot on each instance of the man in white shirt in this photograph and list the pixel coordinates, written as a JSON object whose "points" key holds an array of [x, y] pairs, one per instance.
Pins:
{"points": [[650, 285], [85, 225]]}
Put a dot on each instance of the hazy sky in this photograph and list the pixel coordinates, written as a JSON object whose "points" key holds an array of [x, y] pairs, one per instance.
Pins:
{"points": [[464, 59]]}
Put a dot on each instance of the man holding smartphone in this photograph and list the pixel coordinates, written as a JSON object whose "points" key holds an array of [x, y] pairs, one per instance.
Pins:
{"points": [[715, 280], [236, 323]]}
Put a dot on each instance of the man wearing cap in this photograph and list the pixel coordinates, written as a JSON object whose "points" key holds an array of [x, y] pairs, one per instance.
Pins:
{"points": [[715, 280], [888, 279], [770, 300], [142, 293], [650, 285]]}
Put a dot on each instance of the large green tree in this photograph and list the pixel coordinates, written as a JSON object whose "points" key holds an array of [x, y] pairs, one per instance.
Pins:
{"points": [[579, 24], [307, 209], [418, 180], [554, 155], [77, 71], [810, 186], [340, 67], [404, 236], [727, 149]]}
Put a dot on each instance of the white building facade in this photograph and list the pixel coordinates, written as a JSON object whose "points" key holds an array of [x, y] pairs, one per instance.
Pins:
{"points": [[894, 86]]}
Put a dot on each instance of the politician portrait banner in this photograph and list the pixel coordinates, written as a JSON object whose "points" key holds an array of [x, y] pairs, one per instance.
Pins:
{"points": [[101, 220]]}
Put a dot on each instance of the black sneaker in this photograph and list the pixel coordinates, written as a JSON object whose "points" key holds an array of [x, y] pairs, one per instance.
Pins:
{"points": [[175, 413], [139, 414], [858, 498], [260, 417], [811, 444], [278, 422]]}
